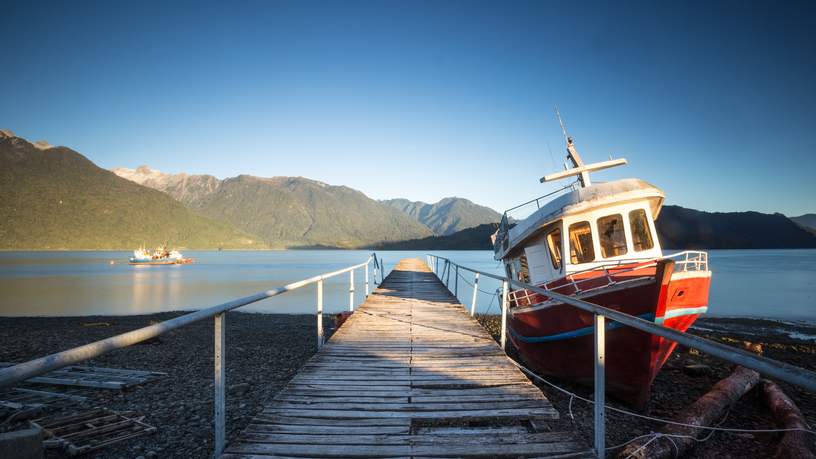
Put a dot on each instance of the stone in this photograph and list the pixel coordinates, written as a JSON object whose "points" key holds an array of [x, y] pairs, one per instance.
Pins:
{"points": [[22, 444], [696, 369]]}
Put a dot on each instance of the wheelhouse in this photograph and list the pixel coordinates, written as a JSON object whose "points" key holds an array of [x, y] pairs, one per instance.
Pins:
{"points": [[615, 226]]}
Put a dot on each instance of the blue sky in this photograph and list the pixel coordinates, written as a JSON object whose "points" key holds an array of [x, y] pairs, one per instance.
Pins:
{"points": [[715, 102]]}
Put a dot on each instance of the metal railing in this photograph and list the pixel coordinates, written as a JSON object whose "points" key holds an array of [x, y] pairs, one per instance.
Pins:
{"points": [[21, 372], [769, 367], [613, 275]]}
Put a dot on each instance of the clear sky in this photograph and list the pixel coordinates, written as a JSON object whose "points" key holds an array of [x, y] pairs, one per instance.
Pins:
{"points": [[715, 102]]}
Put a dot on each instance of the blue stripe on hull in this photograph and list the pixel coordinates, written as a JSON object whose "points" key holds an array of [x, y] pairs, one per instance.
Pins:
{"points": [[610, 325]]}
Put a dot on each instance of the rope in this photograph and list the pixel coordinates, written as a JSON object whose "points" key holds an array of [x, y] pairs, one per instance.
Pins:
{"points": [[650, 418], [471, 284]]}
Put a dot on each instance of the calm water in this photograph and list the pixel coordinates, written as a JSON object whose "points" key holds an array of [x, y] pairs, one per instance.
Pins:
{"points": [[757, 283]]}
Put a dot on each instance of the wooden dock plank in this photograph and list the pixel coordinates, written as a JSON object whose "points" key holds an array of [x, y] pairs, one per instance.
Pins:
{"points": [[409, 374]]}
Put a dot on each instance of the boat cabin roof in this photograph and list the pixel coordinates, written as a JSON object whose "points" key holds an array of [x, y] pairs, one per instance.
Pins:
{"points": [[579, 201]]}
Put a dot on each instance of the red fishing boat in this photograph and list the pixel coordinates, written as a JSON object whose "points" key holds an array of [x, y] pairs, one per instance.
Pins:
{"points": [[598, 242]]}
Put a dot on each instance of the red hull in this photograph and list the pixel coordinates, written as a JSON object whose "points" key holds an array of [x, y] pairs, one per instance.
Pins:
{"points": [[558, 339]]}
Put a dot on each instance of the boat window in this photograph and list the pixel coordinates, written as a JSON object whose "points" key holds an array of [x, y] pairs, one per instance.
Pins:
{"points": [[580, 236], [612, 236], [641, 234], [523, 272], [554, 245]]}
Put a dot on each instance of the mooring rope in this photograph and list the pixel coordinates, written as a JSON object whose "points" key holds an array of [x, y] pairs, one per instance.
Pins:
{"points": [[654, 419]]}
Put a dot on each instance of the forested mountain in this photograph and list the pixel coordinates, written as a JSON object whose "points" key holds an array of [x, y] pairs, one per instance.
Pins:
{"points": [[447, 216], [55, 198], [287, 212]]}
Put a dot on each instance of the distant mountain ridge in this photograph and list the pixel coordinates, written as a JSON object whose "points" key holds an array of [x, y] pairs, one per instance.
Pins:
{"points": [[447, 216], [682, 228], [678, 228], [806, 221], [286, 212], [55, 198]]}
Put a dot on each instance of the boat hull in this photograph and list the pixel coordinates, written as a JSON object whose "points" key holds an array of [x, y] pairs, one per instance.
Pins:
{"points": [[559, 339], [180, 261]]}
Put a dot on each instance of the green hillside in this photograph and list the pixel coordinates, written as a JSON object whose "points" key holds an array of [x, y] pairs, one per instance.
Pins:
{"points": [[447, 216], [298, 212], [55, 198]]}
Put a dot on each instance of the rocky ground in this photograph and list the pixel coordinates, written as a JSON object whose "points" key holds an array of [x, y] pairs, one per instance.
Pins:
{"points": [[265, 351], [677, 386]]}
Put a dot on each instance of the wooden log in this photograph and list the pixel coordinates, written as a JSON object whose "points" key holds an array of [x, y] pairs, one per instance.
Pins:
{"points": [[703, 412], [796, 444]]}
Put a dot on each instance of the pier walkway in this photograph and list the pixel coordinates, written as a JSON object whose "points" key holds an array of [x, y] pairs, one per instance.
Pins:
{"points": [[410, 374]]}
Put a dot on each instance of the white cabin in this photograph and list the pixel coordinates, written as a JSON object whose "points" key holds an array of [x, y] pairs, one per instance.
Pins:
{"points": [[604, 224]]}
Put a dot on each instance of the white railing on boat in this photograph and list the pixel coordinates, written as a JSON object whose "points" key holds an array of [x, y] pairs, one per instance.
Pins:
{"points": [[686, 261], [769, 367], [22, 371]]}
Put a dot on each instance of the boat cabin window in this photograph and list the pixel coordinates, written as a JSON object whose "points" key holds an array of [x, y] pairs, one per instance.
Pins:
{"points": [[612, 236], [641, 234], [520, 269], [554, 246], [580, 237]]}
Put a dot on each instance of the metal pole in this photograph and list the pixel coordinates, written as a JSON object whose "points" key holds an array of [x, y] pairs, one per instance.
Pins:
{"points": [[504, 315], [600, 377], [366, 280], [319, 314], [475, 290], [447, 275], [456, 283], [351, 290], [436, 266], [220, 384]]}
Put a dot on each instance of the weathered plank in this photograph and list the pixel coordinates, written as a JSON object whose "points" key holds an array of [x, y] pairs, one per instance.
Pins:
{"points": [[409, 374]]}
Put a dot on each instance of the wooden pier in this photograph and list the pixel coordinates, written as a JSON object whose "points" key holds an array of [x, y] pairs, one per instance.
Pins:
{"points": [[410, 374]]}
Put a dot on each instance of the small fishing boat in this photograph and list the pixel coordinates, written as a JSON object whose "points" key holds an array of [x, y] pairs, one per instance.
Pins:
{"points": [[160, 256], [597, 242]]}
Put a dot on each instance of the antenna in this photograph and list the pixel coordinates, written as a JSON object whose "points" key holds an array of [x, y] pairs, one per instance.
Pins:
{"points": [[561, 122], [578, 166]]}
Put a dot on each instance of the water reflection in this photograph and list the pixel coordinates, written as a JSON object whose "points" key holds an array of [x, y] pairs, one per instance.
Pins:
{"points": [[782, 282]]}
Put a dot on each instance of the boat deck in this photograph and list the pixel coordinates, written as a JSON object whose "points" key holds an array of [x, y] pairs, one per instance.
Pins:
{"points": [[410, 374]]}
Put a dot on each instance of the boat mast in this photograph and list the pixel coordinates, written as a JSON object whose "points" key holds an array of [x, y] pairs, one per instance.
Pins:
{"points": [[578, 167]]}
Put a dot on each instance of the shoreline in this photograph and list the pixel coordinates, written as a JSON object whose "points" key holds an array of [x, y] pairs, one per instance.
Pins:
{"points": [[676, 387], [264, 351]]}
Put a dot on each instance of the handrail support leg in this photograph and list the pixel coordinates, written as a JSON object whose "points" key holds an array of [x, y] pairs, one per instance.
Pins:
{"points": [[220, 384], [319, 314], [475, 291], [504, 315], [600, 382], [351, 290]]}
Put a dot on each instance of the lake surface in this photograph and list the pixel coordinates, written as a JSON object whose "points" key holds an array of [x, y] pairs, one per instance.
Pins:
{"points": [[779, 284]]}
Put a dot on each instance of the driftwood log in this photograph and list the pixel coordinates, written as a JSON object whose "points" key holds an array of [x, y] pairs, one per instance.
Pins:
{"points": [[705, 411], [794, 445]]}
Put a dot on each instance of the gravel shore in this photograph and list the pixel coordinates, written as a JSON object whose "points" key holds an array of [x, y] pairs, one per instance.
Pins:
{"points": [[676, 387], [264, 351]]}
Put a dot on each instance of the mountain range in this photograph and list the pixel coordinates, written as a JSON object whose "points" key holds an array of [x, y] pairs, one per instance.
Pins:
{"points": [[806, 221], [447, 216], [55, 198], [678, 228]]}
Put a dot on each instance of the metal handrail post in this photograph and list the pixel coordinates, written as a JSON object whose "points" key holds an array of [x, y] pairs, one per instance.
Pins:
{"points": [[366, 280], [219, 400], [504, 315], [351, 290], [475, 291], [456, 283], [600, 382], [436, 266], [319, 314]]}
